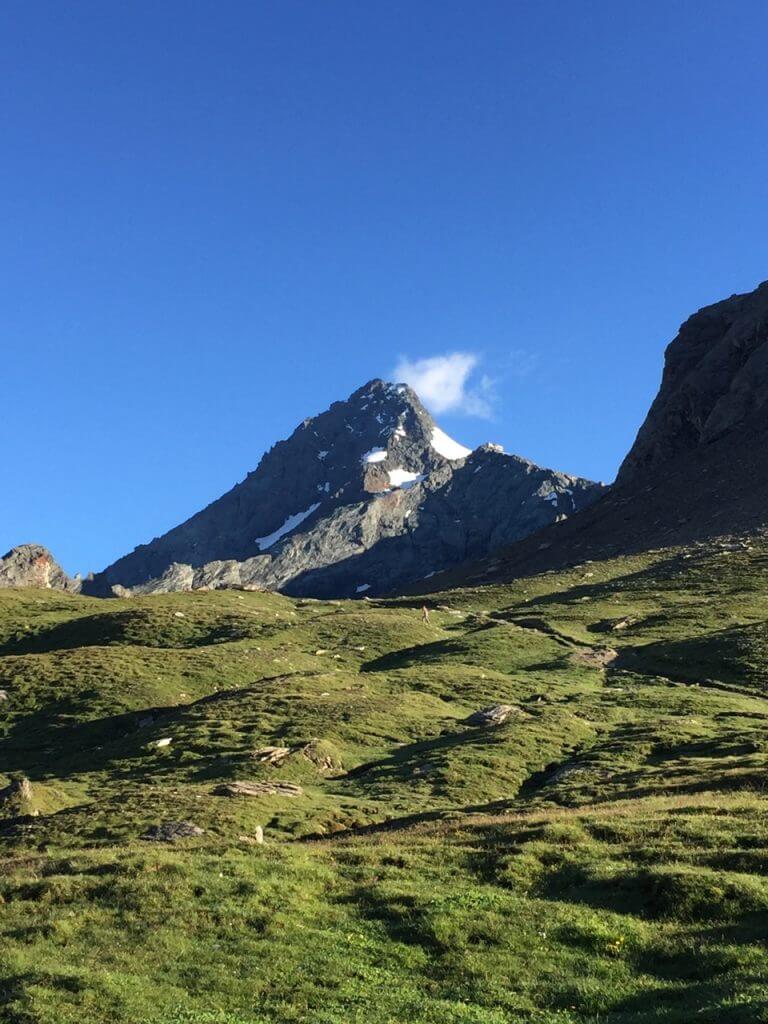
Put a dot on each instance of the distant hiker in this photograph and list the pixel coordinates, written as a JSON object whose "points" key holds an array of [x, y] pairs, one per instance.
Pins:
{"points": [[425, 614]]}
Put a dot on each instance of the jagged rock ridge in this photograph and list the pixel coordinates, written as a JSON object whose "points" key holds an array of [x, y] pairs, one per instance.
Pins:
{"points": [[363, 498]]}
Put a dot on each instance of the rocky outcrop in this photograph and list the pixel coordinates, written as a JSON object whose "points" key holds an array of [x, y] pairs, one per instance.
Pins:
{"points": [[361, 499], [715, 382], [257, 839], [258, 789], [16, 799], [495, 714], [271, 755], [31, 565], [172, 831], [322, 754]]}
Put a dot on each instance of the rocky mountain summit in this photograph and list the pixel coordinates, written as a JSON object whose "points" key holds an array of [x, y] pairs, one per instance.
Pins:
{"points": [[31, 565], [365, 497]]}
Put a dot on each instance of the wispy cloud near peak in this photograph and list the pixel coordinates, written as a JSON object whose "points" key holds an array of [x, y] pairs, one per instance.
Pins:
{"points": [[444, 383]]}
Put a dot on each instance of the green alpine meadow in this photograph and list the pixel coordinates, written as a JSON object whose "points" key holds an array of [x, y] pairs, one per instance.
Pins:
{"points": [[546, 804]]}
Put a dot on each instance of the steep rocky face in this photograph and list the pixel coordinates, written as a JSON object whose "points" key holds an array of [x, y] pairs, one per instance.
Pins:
{"points": [[456, 513], [697, 472], [715, 381], [30, 565], [362, 498]]}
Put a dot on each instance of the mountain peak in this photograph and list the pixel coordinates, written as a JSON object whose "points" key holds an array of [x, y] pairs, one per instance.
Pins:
{"points": [[696, 473], [379, 438], [376, 387], [371, 472], [385, 405]]}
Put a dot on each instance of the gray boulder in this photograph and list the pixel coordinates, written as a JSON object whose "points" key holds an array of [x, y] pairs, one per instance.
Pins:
{"points": [[172, 831], [495, 714]]}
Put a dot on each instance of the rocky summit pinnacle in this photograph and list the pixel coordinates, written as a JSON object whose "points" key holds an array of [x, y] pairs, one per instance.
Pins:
{"points": [[364, 497]]}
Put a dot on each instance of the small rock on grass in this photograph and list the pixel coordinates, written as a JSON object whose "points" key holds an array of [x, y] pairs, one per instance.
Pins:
{"points": [[16, 799], [258, 789], [253, 840], [271, 755], [494, 714], [171, 831]]}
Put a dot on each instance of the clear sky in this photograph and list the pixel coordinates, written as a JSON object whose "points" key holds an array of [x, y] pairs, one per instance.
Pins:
{"points": [[218, 217]]}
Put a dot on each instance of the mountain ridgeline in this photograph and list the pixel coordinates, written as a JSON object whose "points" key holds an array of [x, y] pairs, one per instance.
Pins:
{"points": [[362, 499], [371, 497]]}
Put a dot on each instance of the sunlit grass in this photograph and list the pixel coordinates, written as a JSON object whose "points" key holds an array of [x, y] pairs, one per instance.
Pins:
{"points": [[600, 857]]}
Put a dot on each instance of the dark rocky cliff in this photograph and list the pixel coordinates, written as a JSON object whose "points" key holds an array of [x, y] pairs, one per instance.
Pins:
{"points": [[715, 382], [698, 469]]}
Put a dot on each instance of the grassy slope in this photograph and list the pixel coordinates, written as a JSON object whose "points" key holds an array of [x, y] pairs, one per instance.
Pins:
{"points": [[600, 857]]}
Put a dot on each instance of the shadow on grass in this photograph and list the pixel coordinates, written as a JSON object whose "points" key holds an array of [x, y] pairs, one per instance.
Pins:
{"points": [[132, 628], [56, 741], [420, 760], [50, 738], [732, 659], [433, 652]]}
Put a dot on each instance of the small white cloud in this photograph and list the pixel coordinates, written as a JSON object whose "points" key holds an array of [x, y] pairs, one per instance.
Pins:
{"points": [[443, 383]]}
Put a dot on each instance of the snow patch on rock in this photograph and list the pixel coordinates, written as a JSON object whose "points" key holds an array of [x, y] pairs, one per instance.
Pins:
{"points": [[447, 447], [290, 524], [404, 478]]}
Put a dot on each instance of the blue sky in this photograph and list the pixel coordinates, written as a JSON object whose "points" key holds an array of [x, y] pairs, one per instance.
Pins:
{"points": [[217, 218]]}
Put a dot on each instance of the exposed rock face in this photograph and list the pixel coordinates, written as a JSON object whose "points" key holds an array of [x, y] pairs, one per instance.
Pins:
{"points": [[257, 839], [30, 565], [323, 755], [698, 469], [715, 381], [360, 499]]}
